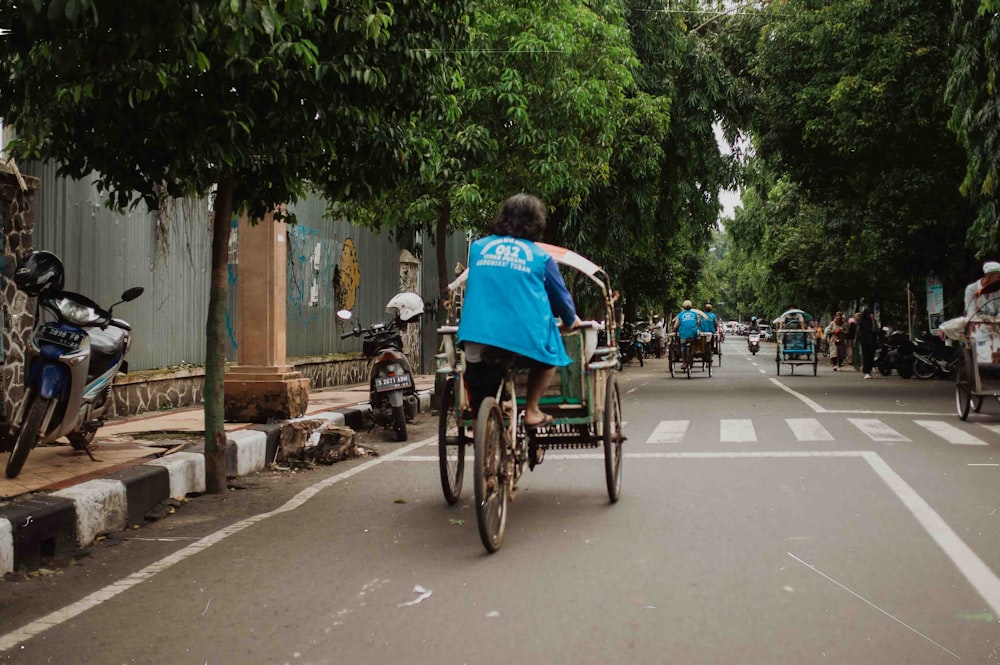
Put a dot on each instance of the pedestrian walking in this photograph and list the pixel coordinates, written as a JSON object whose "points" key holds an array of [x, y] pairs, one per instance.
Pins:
{"points": [[659, 335], [836, 333], [853, 343]]}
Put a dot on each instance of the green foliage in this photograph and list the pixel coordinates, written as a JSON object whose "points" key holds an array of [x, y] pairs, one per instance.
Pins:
{"points": [[853, 188], [975, 119]]}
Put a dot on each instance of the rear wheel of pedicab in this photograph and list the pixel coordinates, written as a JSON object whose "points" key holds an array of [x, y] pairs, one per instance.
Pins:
{"points": [[963, 390], [452, 439], [613, 440], [777, 364], [709, 363], [490, 484], [815, 363], [977, 404], [670, 363]]}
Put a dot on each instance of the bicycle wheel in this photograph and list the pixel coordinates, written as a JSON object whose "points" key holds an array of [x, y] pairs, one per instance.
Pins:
{"points": [[613, 439], [452, 439], [963, 390], [490, 483]]}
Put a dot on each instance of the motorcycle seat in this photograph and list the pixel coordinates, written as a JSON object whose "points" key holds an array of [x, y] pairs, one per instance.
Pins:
{"points": [[109, 342]]}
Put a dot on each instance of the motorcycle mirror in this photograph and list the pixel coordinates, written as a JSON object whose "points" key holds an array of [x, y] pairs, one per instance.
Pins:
{"points": [[344, 314], [132, 294]]}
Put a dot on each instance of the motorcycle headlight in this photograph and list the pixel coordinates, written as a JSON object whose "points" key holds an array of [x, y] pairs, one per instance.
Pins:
{"points": [[77, 314]]}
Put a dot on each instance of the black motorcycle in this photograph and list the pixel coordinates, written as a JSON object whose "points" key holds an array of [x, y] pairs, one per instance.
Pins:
{"points": [[933, 357], [629, 346], [895, 352]]}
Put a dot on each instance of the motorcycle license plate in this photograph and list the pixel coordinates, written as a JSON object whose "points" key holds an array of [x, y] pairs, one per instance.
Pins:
{"points": [[66, 338], [383, 383]]}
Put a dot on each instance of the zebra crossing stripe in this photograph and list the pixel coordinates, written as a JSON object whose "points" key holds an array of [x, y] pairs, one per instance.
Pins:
{"points": [[876, 430], [808, 429], [737, 431], [669, 431], [950, 433]]}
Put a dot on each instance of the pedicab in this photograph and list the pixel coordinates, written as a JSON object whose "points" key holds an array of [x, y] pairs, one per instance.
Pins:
{"points": [[977, 375], [796, 341], [685, 353], [584, 402]]}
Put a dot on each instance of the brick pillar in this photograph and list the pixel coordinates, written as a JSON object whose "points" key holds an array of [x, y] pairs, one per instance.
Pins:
{"points": [[261, 385], [17, 313]]}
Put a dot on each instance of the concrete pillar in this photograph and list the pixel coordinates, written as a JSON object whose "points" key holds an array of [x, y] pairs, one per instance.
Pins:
{"points": [[261, 385]]}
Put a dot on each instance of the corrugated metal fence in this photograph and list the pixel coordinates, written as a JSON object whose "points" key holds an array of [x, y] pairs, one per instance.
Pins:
{"points": [[169, 255]]}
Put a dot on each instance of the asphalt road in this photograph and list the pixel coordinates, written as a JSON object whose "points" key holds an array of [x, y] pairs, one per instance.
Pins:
{"points": [[763, 519]]}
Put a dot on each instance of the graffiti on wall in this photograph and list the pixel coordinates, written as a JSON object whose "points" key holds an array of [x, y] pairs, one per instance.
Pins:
{"points": [[310, 268], [348, 277]]}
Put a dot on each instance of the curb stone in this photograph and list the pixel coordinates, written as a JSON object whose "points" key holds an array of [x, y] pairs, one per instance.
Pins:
{"points": [[40, 526]]}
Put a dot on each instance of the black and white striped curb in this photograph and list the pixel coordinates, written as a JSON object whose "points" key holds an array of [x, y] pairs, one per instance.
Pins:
{"points": [[46, 525]]}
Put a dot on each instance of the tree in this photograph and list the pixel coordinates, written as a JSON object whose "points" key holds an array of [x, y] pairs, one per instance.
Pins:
{"points": [[975, 118], [249, 99], [846, 106]]}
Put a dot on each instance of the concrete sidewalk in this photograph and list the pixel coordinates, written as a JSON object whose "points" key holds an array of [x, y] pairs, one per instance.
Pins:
{"points": [[63, 499]]}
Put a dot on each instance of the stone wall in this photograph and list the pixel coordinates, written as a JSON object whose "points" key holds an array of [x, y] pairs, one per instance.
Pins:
{"points": [[159, 390], [17, 212]]}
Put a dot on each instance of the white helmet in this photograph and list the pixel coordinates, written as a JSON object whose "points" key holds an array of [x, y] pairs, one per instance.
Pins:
{"points": [[405, 306]]}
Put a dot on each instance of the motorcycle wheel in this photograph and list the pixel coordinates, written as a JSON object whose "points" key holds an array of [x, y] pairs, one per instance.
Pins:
{"points": [[922, 370], [905, 369], [399, 423], [28, 435], [884, 367]]}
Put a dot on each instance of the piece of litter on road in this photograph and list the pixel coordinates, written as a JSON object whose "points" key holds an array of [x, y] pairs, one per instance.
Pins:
{"points": [[492, 614], [424, 595]]}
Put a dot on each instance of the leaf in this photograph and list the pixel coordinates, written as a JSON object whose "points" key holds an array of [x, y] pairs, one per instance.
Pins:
{"points": [[399, 501], [203, 63], [456, 522]]}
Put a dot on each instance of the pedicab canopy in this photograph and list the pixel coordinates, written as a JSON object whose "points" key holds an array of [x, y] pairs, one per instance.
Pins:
{"points": [[562, 256], [793, 315]]}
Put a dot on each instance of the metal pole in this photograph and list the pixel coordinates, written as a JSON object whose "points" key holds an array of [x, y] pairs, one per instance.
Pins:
{"points": [[909, 316]]}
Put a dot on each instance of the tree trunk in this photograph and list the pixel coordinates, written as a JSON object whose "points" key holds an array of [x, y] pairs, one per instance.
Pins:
{"points": [[215, 340]]}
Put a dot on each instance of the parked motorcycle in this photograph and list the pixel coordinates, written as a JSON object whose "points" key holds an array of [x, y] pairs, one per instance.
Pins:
{"points": [[391, 389], [629, 346], [895, 352], [77, 349], [933, 357], [753, 342]]}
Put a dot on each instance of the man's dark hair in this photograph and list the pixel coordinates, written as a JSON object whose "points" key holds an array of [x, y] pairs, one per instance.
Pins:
{"points": [[520, 216]]}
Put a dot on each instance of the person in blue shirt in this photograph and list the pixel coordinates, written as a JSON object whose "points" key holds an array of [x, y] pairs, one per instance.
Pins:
{"points": [[708, 323], [687, 323], [513, 295]]}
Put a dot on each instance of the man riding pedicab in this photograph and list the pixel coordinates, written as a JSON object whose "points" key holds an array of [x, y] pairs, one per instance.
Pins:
{"points": [[687, 324]]}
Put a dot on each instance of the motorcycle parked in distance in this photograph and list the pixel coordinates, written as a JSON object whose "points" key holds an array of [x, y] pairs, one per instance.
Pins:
{"points": [[753, 342], [391, 390], [933, 357], [895, 352], [629, 346], [77, 349]]}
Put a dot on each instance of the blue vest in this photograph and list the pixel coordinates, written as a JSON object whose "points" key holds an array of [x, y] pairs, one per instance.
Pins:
{"points": [[708, 323], [687, 324], [506, 304]]}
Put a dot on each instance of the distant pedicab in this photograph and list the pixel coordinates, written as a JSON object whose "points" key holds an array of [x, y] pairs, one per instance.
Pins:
{"points": [[796, 341], [977, 375], [683, 354]]}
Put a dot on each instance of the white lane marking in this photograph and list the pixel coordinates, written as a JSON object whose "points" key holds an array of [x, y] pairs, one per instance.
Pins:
{"points": [[871, 604], [876, 430], [808, 429], [979, 575], [805, 400], [950, 433], [762, 371], [736, 430], [819, 409], [26, 632], [669, 431], [993, 428]]}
